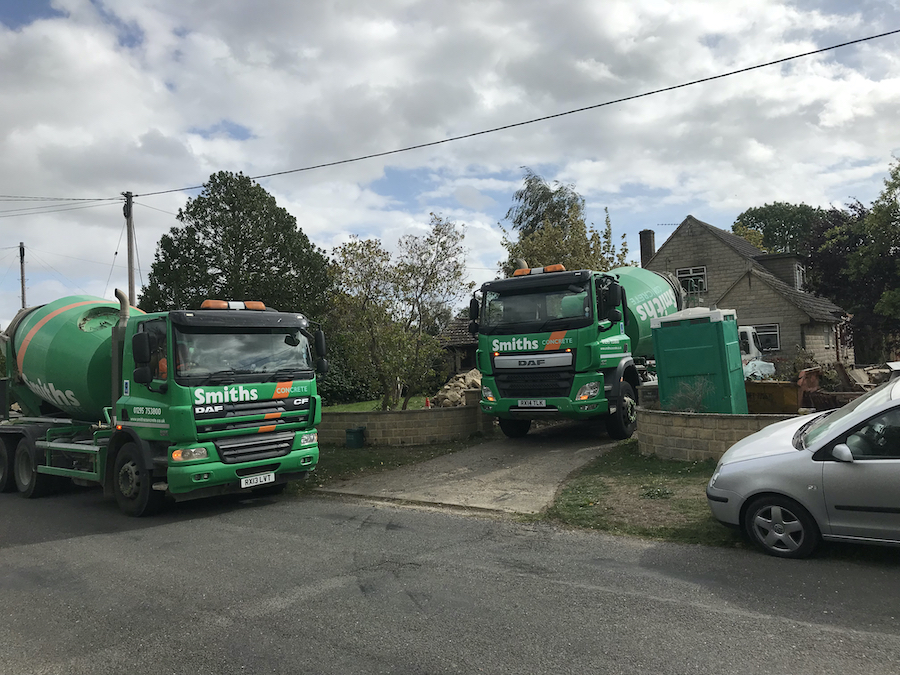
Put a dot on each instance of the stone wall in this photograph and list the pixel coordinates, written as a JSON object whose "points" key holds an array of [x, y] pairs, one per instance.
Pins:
{"points": [[695, 436], [408, 427]]}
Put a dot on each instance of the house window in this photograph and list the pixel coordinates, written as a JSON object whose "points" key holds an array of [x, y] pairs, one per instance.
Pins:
{"points": [[829, 337], [769, 337], [799, 277], [693, 279]]}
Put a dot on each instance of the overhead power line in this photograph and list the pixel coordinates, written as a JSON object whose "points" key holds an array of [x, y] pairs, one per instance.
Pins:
{"points": [[20, 198], [12, 213], [545, 117]]}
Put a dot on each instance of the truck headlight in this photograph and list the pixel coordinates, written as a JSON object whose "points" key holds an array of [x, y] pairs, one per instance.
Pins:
{"points": [[487, 394], [310, 438], [590, 390], [187, 454]]}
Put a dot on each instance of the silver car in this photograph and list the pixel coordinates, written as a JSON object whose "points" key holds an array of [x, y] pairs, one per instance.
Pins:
{"points": [[833, 475]]}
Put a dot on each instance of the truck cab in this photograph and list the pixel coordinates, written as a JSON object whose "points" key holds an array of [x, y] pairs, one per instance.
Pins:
{"points": [[554, 344], [180, 404]]}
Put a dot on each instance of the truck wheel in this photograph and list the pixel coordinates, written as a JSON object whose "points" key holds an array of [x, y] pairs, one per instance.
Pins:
{"points": [[514, 428], [622, 423], [7, 482], [133, 484], [29, 482]]}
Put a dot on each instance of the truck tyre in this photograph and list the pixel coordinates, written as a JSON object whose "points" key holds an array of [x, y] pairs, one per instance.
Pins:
{"points": [[622, 423], [7, 482], [29, 482], [514, 428], [133, 484]]}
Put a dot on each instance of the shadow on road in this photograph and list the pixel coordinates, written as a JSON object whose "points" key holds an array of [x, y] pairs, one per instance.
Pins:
{"points": [[80, 511]]}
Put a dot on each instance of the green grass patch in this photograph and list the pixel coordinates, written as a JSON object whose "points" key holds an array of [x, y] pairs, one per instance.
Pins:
{"points": [[340, 463], [624, 492], [415, 403]]}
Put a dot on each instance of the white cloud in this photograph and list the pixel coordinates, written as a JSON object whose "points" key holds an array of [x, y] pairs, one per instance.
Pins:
{"points": [[151, 95]]}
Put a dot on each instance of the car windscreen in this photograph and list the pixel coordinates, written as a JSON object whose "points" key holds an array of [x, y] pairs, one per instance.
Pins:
{"points": [[536, 311], [205, 355], [874, 398]]}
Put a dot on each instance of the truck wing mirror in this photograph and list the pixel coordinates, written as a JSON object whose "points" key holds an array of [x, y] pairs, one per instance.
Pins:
{"points": [[473, 327], [321, 365], [473, 309], [142, 374], [140, 349], [319, 338], [614, 315], [614, 295]]}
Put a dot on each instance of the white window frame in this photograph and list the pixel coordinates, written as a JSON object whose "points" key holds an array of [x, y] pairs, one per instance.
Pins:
{"points": [[688, 274], [768, 329]]}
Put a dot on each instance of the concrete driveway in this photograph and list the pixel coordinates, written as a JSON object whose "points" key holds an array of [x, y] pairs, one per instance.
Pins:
{"points": [[506, 475]]}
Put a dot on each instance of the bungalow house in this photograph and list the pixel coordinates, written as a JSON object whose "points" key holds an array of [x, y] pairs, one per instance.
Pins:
{"points": [[720, 269], [459, 346]]}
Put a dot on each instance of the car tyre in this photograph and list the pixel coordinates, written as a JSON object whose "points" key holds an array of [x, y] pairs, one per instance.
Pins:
{"points": [[781, 527], [514, 428]]}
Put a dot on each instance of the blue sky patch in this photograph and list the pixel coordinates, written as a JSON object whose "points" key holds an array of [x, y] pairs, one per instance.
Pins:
{"points": [[15, 14], [227, 128]]}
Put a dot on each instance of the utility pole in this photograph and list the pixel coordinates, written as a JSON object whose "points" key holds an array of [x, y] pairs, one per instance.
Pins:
{"points": [[129, 233], [22, 269]]}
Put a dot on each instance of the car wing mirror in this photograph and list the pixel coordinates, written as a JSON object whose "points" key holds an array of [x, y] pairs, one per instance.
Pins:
{"points": [[842, 453]]}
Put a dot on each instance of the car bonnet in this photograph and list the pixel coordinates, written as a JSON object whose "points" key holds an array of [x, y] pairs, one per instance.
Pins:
{"points": [[774, 439]]}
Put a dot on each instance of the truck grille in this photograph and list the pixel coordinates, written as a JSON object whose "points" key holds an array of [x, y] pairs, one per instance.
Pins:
{"points": [[258, 446], [226, 416], [534, 383]]}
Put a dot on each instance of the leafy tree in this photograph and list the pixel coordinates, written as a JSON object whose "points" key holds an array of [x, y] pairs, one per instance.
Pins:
{"points": [[393, 308], [235, 243], [537, 204], [778, 227], [855, 262], [575, 245]]}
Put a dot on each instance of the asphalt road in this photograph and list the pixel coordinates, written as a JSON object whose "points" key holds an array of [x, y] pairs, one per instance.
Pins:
{"points": [[331, 585]]}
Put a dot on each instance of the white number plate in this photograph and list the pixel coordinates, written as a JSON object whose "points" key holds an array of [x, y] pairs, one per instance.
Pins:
{"points": [[533, 403], [254, 481]]}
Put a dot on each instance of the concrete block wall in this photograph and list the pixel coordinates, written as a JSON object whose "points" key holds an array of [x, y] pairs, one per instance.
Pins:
{"points": [[405, 427], [757, 303], [695, 436], [702, 248]]}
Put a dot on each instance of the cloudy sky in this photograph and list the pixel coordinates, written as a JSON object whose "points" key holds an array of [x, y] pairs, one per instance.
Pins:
{"points": [[100, 97]]}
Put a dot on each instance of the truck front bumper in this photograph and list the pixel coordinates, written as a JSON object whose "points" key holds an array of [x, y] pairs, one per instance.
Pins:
{"points": [[545, 408], [199, 478]]}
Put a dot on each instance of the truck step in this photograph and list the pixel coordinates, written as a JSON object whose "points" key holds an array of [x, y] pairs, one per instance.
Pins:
{"points": [[87, 448]]}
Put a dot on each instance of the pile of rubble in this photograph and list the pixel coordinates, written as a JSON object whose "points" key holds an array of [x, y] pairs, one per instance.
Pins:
{"points": [[866, 377], [451, 394]]}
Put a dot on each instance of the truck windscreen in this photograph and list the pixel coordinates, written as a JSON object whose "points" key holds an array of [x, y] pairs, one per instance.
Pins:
{"points": [[537, 311], [208, 356]]}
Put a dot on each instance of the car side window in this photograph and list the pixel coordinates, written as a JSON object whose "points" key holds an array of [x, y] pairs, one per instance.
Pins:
{"points": [[877, 437]]}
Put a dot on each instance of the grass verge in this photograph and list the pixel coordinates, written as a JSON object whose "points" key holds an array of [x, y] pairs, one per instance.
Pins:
{"points": [[624, 492]]}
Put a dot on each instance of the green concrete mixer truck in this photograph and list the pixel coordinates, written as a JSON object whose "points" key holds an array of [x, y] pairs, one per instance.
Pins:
{"points": [[180, 404], [554, 343]]}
